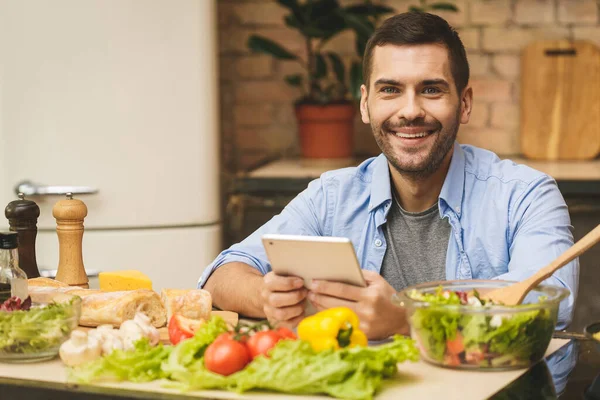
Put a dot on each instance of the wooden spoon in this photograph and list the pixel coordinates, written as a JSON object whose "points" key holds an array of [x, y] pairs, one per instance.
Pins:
{"points": [[515, 293]]}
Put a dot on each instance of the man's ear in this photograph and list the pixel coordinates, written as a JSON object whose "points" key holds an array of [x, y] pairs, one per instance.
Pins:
{"points": [[466, 104], [364, 110]]}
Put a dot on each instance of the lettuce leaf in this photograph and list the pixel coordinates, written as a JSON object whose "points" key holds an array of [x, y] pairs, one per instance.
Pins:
{"points": [[523, 336], [142, 364], [37, 329], [189, 352], [294, 367]]}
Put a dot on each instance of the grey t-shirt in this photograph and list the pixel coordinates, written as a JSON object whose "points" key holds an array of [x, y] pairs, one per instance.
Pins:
{"points": [[416, 247]]}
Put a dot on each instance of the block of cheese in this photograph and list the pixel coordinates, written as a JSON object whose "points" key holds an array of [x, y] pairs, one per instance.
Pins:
{"points": [[123, 280]]}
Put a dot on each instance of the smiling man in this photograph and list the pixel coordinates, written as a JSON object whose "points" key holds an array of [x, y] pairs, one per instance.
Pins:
{"points": [[426, 209]]}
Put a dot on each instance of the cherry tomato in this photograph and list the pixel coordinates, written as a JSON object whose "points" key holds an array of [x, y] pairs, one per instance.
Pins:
{"points": [[181, 328], [225, 356], [261, 342], [286, 333]]}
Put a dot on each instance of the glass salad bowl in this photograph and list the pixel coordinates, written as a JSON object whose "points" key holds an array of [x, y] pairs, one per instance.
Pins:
{"points": [[453, 328], [35, 333]]}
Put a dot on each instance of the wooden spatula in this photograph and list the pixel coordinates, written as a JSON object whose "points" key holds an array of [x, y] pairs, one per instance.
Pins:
{"points": [[515, 293]]}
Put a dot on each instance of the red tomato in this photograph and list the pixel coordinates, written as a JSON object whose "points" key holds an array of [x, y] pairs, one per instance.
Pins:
{"points": [[455, 346], [261, 342], [225, 356], [181, 328], [286, 333]]}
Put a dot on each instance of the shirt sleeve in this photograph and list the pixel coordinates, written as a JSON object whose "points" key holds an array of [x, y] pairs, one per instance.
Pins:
{"points": [[304, 215], [541, 232]]}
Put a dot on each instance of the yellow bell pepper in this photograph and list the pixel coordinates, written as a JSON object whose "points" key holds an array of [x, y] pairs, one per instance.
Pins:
{"points": [[332, 328]]}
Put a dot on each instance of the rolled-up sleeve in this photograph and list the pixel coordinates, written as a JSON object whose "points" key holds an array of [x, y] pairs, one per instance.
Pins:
{"points": [[541, 233], [304, 215]]}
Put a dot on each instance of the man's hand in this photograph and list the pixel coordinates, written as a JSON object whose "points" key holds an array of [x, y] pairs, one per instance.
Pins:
{"points": [[283, 299], [379, 318]]}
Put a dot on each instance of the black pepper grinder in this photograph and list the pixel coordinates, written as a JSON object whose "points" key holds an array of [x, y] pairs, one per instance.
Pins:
{"points": [[22, 217]]}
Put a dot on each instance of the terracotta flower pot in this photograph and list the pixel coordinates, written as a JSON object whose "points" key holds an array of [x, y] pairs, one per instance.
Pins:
{"points": [[326, 131]]}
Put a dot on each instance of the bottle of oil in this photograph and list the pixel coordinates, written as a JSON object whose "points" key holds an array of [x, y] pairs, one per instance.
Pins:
{"points": [[13, 281]]}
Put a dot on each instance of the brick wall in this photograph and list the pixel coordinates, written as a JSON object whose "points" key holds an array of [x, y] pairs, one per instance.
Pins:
{"points": [[256, 105]]}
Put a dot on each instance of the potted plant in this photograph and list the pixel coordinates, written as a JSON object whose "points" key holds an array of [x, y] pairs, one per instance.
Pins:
{"points": [[326, 108], [330, 89]]}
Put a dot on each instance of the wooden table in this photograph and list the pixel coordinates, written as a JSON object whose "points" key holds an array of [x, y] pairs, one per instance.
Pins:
{"points": [[415, 381]]}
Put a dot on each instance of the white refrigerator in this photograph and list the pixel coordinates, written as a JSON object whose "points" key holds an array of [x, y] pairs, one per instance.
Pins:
{"points": [[116, 101]]}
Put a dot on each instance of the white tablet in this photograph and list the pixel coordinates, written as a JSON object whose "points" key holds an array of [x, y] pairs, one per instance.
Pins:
{"points": [[314, 257]]}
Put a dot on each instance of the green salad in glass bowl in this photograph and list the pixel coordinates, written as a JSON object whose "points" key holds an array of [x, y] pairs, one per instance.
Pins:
{"points": [[455, 328], [34, 331]]}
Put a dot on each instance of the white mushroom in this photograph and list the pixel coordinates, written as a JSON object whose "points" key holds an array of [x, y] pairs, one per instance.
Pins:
{"points": [[79, 349], [131, 332], [109, 338], [150, 330]]}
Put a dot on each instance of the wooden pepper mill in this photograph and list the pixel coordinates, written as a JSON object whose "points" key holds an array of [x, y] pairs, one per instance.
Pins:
{"points": [[22, 217], [69, 216]]}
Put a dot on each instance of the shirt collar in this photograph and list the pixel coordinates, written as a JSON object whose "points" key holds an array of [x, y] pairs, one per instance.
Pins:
{"points": [[381, 189], [454, 184], [452, 189]]}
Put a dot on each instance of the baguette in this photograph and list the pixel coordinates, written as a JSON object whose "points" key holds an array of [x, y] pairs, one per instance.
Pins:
{"points": [[48, 282], [190, 303], [114, 308]]}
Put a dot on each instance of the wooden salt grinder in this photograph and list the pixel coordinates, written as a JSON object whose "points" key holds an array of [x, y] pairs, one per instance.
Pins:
{"points": [[22, 217], [69, 216]]}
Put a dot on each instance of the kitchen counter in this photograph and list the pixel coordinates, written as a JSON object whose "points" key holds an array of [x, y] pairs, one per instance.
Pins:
{"points": [[293, 174], [570, 366]]}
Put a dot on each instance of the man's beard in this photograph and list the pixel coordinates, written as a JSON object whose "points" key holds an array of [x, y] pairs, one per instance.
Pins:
{"points": [[444, 142]]}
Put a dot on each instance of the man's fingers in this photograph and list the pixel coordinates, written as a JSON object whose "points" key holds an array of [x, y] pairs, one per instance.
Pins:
{"points": [[322, 302], [336, 289], [285, 299], [291, 323], [278, 283], [283, 314], [371, 276]]}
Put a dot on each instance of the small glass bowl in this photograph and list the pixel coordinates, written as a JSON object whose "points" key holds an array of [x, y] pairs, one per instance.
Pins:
{"points": [[493, 337], [36, 334]]}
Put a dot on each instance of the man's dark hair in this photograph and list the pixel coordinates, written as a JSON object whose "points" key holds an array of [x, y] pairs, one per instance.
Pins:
{"points": [[419, 28]]}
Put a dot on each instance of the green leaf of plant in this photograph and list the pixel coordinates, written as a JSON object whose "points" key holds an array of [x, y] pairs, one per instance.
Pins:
{"points": [[444, 6], [291, 4], [294, 80], [263, 45], [370, 10], [332, 24], [292, 21], [338, 67], [321, 8], [360, 24], [295, 8], [361, 45], [320, 66], [356, 79], [416, 9]]}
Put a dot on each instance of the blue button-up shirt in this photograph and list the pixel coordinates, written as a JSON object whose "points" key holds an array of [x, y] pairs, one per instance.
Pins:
{"points": [[507, 220]]}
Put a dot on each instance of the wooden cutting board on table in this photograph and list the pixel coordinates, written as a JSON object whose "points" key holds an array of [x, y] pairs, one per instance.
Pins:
{"points": [[560, 100]]}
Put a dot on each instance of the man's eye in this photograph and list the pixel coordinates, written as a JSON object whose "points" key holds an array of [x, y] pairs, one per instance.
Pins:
{"points": [[431, 90], [389, 89]]}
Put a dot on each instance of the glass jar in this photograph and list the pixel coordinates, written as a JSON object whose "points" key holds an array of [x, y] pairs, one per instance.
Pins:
{"points": [[13, 281]]}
